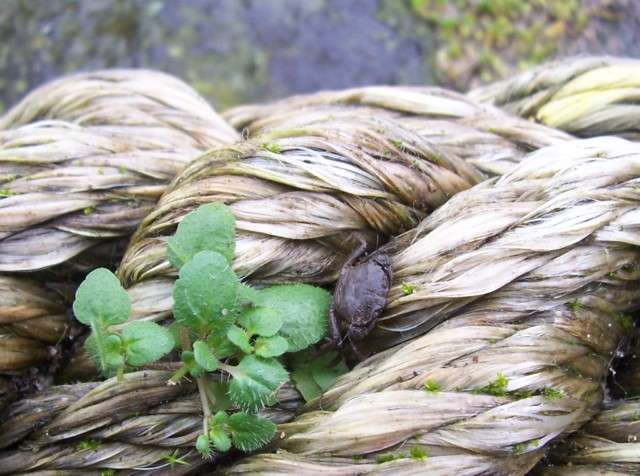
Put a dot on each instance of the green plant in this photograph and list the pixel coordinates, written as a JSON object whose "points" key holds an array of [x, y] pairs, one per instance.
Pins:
{"points": [[174, 459], [432, 386], [101, 303], [221, 325]]}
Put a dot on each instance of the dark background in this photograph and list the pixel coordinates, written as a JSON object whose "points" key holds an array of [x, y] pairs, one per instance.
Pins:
{"points": [[239, 51]]}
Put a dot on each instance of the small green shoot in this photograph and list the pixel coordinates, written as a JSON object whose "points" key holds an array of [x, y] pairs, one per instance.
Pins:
{"points": [[275, 148], [575, 305], [552, 393], [432, 386], [408, 289], [385, 458], [496, 388], [91, 445], [7, 192], [174, 459], [417, 452]]}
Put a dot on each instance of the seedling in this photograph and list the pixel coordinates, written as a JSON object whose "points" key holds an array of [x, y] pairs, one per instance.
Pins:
{"points": [[101, 303], [174, 459], [221, 325]]}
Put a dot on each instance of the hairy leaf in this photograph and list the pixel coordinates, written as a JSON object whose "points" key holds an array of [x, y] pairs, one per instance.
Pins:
{"points": [[221, 344], [240, 338], [205, 295], [255, 382], [203, 445], [250, 432], [203, 356], [146, 342], [91, 345], [101, 301], [113, 349], [220, 391], [271, 346], [220, 439], [247, 293], [263, 321], [304, 309], [209, 227]]}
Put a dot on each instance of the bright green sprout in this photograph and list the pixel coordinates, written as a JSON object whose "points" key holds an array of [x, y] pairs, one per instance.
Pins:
{"points": [[174, 459], [275, 148], [496, 388], [551, 392], [432, 386], [91, 445], [417, 452], [408, 289]]}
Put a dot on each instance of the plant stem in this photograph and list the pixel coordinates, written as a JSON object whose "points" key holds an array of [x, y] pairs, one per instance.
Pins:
{"points": [[185, 341], [101, 348], [206, 408], [230, 369], [181, 372]]}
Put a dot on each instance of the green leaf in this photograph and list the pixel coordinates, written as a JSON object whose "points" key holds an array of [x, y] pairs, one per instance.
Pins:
{"points": [[314, 374], [256, 382], [187, 357], [203, 356], [218, 431], [146, 342], [220, 418], [220, 391], [101, 301], [91, 345], [205, 295], [304, 309], [240, 338], [250, 432], [247, 293], [203, 445], [271, 346], [189, 361], [263, 321], [305, 383], [220, 439], [209, 227], [221, 345], [114, 350], [323, 373]]}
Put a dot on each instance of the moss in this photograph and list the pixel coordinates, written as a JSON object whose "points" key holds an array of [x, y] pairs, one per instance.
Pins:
{"points": [[498, 36]]}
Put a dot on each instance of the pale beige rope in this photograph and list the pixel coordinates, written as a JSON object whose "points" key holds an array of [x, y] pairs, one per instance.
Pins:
{"points": [[537, 296], [490, 139], [31, 318], [88, 155], [586, 96], [137, 421], [610, 442], [131, 102], [297, 196]]}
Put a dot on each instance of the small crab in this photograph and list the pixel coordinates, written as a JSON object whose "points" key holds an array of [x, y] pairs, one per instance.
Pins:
{"points": [[359, 297]]}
